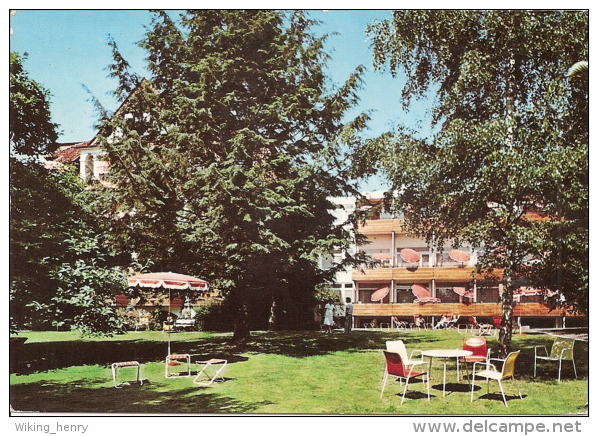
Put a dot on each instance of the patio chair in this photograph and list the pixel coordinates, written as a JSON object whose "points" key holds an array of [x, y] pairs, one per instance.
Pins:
{"points": [[479, 348], [400, 348], [562, 349], [396, 368], [490, 372]]}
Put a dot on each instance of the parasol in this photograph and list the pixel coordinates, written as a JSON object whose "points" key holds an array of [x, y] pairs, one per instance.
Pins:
{"points": [[170, 281], [380, 293], [463, 292], [459, 256], [409, 255], [422, 295]]}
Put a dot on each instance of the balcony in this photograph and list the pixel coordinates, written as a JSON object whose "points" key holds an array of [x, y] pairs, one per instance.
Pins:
{"points": [[417, 274], [381, 227], [472, 309]]}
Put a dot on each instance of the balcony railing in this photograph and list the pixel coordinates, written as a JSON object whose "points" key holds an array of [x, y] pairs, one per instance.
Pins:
{"points": [[426, 261]]}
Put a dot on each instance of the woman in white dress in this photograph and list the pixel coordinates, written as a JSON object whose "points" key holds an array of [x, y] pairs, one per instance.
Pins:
{"points": [[329, 316]]}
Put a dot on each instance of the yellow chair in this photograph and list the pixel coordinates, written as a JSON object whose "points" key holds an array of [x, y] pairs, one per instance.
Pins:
{"points": [[562, 349], [508, 370]]}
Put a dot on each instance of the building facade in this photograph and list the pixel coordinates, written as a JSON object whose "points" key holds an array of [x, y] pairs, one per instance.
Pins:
{"points": [[410, 277]]}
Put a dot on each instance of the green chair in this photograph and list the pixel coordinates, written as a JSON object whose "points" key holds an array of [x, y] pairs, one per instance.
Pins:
{"points": [[562, 349]]}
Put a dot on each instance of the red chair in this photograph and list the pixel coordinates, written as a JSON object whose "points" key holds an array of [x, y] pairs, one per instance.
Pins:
{"points": [[396, 368], [479, 348]]}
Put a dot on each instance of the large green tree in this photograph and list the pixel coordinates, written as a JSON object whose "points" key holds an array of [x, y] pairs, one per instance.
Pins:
{"points": [[60, 269], [224, 159], [509, 142]]}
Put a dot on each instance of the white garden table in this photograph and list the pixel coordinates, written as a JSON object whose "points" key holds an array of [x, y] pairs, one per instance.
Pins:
{"points": [[446, 355]]}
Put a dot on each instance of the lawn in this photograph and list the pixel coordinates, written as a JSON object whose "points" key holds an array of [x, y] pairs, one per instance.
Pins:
{"points": [[277, 373]]}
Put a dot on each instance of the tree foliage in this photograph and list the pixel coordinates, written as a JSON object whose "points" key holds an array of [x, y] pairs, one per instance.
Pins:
{"points": [[31, 131], [511, 141], [225, 161], [60, 271]]}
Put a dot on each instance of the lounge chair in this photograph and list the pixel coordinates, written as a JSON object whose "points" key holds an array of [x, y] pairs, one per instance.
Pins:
{"points": [[482, 329], [419, 322], [397, 324], [452, 322]]}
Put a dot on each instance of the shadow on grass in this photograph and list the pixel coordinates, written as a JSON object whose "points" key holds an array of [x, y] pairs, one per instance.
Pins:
{"points": [[46, 397], [44, 356]]}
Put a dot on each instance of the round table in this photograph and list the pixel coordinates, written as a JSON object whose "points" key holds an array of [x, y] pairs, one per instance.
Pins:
{"points": [[446, 355]]}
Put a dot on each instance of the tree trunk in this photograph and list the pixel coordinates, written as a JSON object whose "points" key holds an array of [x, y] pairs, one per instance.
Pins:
{"points": [[506, 324], [241, 330]]}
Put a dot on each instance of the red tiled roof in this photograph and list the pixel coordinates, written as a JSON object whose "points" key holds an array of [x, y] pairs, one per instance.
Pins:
{"points": [[68, 152]]}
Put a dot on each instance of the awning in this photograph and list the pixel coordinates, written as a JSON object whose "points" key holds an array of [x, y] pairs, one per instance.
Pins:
{"points": [[459, 256], [409, 255], [380, 293], [463, 292]]}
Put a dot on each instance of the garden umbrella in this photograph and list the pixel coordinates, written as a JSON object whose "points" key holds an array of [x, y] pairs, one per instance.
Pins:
{"points": [[380, 293], [170, 281]]}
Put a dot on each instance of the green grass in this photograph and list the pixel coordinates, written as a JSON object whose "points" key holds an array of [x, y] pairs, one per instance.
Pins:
{"points": [[277, 373]]}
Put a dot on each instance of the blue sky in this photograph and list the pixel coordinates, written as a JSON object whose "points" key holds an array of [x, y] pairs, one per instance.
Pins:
{"points": [[68, 51]]}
